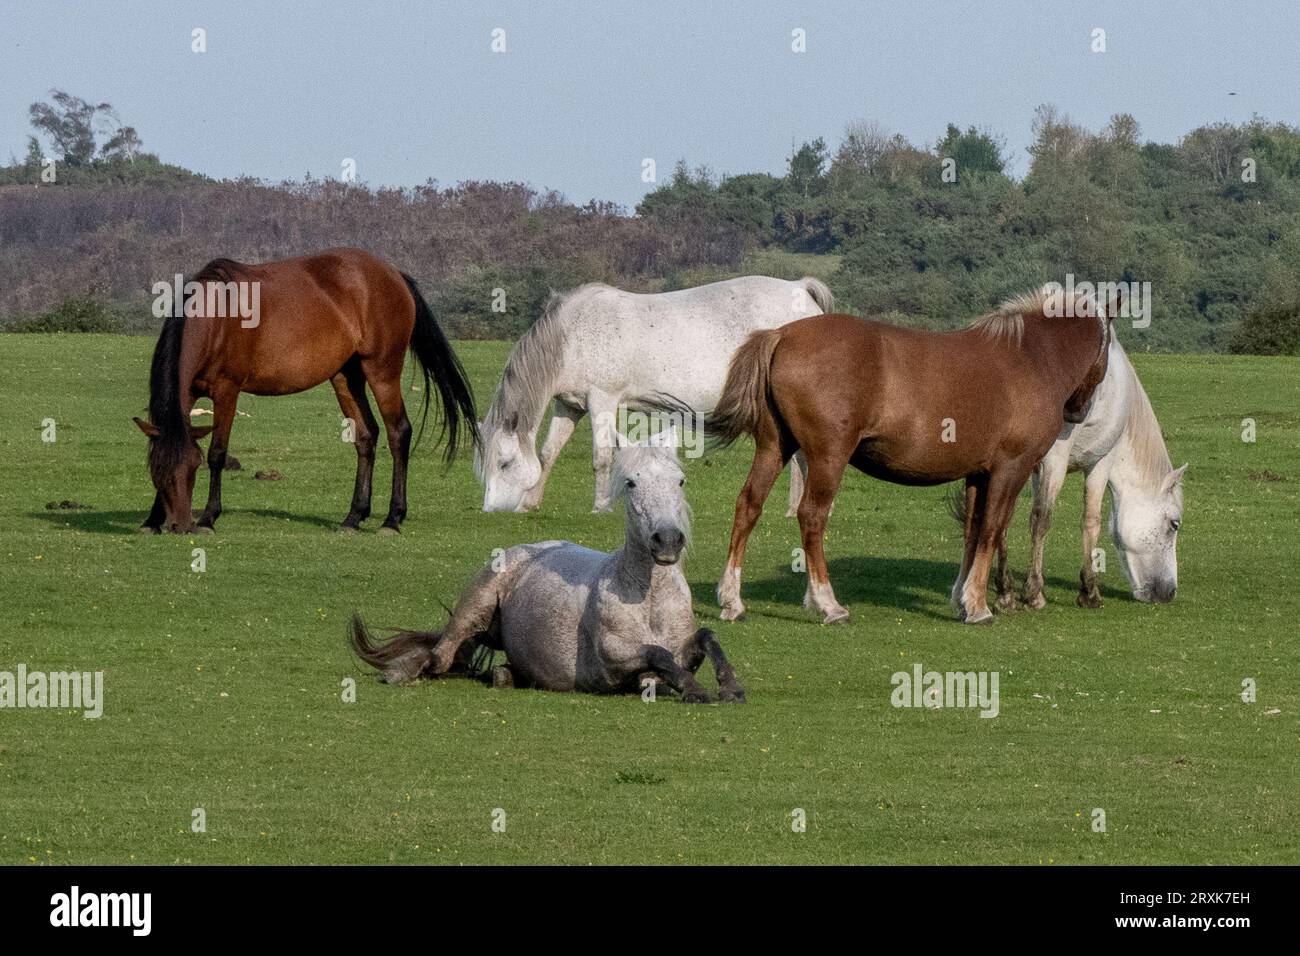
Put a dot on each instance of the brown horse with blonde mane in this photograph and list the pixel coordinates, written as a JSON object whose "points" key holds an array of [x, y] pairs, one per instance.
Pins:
{"points": [[910, 406], [342, 316]]}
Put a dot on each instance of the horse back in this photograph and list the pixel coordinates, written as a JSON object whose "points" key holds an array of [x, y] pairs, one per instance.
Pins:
{"points": [[908, 405]]}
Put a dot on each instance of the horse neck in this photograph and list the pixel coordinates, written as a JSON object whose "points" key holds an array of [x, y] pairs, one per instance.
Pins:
{"points": [[528, 381], [636, 570], [1141, 458], [1067, 346]]}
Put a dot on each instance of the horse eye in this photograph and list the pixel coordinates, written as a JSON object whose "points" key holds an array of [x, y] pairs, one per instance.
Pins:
{"points": [[681, 483], [1174, 525], [506, 464], [631, 483]]}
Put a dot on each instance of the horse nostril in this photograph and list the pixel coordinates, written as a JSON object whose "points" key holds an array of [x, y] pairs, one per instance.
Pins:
{"points": [[657, 539]]}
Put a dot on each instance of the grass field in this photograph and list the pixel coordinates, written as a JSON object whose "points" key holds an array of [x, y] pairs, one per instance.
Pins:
{"points": [[223, 688]]}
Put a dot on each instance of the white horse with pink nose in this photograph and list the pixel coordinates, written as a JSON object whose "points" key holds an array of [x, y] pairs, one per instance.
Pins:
{"points": [[598, 349]]}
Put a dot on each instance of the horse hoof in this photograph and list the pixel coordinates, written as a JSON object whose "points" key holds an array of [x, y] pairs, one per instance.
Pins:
{"points": [[728, 696], [348, 529], [148, 529], [1035, 603], [1089, 600], [733, 612], [1007, 602], [387, 531], [835, 616], [205, 529], [982, 616], [699, 696]]}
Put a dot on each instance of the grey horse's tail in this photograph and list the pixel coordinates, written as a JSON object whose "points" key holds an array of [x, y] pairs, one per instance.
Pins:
{"points": [[402, 660], [820, 293], [955, 502]]}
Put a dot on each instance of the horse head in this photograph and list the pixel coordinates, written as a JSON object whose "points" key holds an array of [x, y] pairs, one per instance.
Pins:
{"points": [[173, 464], [651, 483], [1144, 526], [506, 463]]}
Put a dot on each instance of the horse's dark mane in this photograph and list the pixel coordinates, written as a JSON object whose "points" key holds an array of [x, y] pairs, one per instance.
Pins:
{"points": [[166, 451]]}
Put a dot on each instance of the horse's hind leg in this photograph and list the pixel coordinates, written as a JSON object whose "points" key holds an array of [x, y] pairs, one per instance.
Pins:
{"points": [[386, 383], [1047, 480], [224, 401], [1094, 492], [768, 462], [473, 615], [976, 488], [350, 388]]}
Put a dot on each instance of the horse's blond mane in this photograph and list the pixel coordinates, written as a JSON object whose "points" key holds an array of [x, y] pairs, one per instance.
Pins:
{"points": [[1008, 319], [1146, 443]]}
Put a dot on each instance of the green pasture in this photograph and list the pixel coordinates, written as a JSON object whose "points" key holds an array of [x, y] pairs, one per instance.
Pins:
{"points": [[223, 690]]}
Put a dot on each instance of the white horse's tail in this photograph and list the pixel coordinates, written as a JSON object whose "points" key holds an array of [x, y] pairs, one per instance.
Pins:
{"points": [[820, 293]]}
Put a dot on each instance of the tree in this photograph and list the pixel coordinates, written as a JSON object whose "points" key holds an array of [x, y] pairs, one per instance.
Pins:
{"points": [[69, 122], [973, 150], [806, 167]]}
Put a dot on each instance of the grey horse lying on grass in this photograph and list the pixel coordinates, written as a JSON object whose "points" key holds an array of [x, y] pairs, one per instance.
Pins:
{"points": [[570, 618]]}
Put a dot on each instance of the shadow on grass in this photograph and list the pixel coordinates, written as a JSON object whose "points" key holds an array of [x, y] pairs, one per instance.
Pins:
{"points": [[905, 584], [128, 522]]}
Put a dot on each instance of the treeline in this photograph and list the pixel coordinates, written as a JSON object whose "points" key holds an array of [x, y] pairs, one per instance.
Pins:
{"points": [[928, 235], [84, 258], [935, 235]]}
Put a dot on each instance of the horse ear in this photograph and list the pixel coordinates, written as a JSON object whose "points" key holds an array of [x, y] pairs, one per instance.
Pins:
{"points": [[667, 438], [148, 428], [1172, 479], [197, 433]]}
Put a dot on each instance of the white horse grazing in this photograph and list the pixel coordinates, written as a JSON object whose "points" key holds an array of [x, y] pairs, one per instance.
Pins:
{"points": [[570, 618], [1118, 444], [597, 348]]}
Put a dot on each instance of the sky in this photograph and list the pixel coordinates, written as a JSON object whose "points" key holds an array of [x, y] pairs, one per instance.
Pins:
{"points": [[584, 93]]}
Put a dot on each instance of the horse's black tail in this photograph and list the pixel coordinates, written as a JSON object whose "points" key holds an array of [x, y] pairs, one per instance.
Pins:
{"points": [[442, 368], [405, 658]]}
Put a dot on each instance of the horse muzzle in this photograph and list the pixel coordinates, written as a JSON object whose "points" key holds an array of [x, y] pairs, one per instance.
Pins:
{"points": [[666, 545]]}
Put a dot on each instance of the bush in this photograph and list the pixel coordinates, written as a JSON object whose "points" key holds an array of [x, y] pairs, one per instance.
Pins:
{"points": [[85, 314], [1274, 330]]}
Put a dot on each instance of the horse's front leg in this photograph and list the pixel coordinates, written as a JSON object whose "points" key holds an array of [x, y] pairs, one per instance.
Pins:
{"points": [[157, 515], [1094, 493], [662, 663], [563, 422], [224, 402], [825, 471], [729, 689], [603, 410]]}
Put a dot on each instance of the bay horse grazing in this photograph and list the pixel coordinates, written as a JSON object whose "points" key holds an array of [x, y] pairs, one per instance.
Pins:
{"points": [[1117, 445], [342, 316], [597, 348], [913, 407], [570, 618]]}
